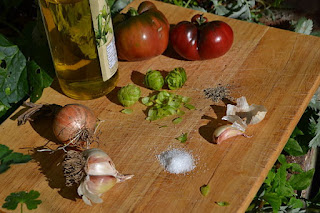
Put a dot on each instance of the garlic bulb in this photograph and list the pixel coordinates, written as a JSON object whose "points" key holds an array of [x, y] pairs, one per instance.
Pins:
{"points": [[101, 175]]}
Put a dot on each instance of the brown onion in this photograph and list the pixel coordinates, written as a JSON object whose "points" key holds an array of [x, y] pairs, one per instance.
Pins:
{"points": [[74, 125]]}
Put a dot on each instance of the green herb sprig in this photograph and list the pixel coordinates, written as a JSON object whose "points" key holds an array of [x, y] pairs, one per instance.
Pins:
{"points": [[8, 157], [28, 198]]}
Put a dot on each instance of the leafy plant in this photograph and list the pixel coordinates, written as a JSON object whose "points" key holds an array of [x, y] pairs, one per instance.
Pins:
{"points": [[8, 157], [249, 10], [26, 66], [30, 199], [281, 189]]}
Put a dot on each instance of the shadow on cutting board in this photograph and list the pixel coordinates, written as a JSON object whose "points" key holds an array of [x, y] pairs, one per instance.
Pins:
{"points": [[113, 96], [52, 168], [50, 163], [56, 86]]}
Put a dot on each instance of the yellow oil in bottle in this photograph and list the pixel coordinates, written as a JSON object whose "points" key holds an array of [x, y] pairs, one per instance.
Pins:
{"points": [[73, 44]]}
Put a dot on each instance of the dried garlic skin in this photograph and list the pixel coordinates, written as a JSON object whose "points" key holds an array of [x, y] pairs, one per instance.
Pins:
{"points": [[236, 121], [252, 114]]}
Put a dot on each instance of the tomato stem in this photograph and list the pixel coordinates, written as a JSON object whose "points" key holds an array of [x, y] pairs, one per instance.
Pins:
{"points": [[133, 12], [199, 19]]}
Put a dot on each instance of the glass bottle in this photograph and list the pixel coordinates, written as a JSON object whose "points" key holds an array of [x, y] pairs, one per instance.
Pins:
{"points": [[82, 45]]}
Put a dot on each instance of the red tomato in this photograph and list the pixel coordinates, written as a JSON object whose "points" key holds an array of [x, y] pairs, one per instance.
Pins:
{"points": [[200, 39], [141, 34]]}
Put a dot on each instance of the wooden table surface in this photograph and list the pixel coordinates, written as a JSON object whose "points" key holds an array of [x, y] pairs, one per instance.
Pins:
{"points": [[271, 67]]}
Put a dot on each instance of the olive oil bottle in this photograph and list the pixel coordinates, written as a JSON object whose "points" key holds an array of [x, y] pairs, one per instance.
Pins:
{"points": [[82, 45]]}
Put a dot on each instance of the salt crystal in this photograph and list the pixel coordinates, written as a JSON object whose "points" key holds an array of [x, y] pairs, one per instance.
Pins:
{"points": [[177, 161]]}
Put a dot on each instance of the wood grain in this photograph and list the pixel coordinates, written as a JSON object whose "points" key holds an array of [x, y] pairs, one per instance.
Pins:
{"points": [[272, 67]]}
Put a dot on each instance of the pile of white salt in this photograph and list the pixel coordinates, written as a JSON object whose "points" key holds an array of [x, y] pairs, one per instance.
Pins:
{"points": [[177, 161]]}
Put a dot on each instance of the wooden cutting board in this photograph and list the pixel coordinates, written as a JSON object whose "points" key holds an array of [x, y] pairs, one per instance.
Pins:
{"points": [[271, 67]]}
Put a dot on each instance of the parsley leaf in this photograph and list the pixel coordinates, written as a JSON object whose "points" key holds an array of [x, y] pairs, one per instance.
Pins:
{"points": [[15, 158], [127, 111], [8, 157], [177, 120], [189, 106], [30, 199], [223, 203], [183, 137], [205, 189], [4, 151]]}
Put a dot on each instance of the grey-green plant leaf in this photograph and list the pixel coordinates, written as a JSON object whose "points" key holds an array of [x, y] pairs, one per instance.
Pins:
{"points": [[304, 26]]}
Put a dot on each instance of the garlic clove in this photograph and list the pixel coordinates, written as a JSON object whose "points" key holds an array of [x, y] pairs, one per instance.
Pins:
{"points": [[225, 132], [94, 186], [101, 176], [86, 195], [98, 163], [218, 131], [100, 184]]}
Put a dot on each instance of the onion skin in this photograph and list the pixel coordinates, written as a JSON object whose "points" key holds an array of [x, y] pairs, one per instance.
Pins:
{"points": [[74, 120]]}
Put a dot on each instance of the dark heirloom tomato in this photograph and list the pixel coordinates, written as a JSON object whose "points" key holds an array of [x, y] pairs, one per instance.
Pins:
{"points": [[141, 34], [200, 39]]}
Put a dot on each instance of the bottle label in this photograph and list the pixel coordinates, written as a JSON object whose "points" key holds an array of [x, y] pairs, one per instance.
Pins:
{"points": [[102, 25]]}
